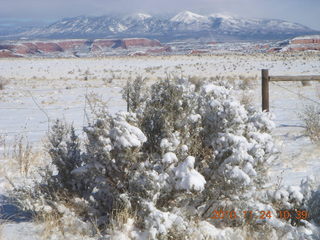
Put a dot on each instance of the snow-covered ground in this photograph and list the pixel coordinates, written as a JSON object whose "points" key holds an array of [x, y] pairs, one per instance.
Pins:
{"points": [[38, 91]]}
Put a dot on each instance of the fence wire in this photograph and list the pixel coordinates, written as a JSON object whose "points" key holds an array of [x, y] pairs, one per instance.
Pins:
{"points": [[44, 110], [297, 94], [85, 105], [289, 110]]}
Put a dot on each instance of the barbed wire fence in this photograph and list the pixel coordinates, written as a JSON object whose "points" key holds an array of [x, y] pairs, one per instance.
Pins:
{"points": [[293, 116], [299, 95], [38, 110], [46, 111]]}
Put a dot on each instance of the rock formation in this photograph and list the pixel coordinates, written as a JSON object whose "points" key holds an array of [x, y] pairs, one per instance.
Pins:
{"points": [[43, 48]]}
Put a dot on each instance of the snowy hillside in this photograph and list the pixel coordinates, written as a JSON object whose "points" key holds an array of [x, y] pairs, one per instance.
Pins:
{"points": [[183, 25]]}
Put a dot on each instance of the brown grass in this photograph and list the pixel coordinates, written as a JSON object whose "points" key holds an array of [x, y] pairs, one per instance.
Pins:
{"points": [[120, 217]]}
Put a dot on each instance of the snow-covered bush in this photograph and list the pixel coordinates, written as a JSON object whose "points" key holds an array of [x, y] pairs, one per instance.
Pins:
{"points": [[181, 153], [311, 119], [133, 93], [314, 207]]}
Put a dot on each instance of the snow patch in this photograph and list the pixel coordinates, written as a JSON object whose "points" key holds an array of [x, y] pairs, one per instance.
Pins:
{"points": [[187, 177]]}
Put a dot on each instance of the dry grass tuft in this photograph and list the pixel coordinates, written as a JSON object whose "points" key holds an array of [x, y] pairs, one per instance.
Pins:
{"points": [[52, 223], [197, 81], [120, 217], [22, 154], [246, 82], [246, 98]]}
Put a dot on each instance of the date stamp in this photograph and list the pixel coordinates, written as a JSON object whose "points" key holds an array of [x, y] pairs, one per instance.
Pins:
{"points": [[282, 214]]}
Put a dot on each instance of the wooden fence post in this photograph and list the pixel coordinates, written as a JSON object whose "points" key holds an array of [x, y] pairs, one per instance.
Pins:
{"points": [[265, 89]]}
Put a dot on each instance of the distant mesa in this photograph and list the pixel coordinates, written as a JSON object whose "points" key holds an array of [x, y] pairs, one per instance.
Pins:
{"points": [[48, 47], [72, 45], [313, 39], [100, 44], [302, 43], [146, 47], [42, 48], [141, 42]]}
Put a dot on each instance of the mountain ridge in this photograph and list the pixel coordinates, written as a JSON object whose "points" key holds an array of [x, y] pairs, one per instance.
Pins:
{"points": [[184, 25]]}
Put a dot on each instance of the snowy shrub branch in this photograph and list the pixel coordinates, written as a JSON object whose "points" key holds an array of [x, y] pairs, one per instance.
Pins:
{"points": [[182, 152]]}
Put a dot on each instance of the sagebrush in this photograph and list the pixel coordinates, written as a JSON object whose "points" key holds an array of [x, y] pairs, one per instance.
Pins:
{"points": [[183, 151]]}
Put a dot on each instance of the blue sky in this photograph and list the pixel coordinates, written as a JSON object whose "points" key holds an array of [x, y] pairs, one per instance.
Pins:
{"points": [[301, 11]]}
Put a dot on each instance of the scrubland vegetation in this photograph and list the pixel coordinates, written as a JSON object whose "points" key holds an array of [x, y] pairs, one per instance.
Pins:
{"points": [[192, 147], [185, 150]]}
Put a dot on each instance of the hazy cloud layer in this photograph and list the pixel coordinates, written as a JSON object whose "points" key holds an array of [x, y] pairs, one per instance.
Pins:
{"points": [[301, 11]]}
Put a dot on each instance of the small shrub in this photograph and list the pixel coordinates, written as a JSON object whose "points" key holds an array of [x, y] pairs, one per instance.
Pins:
{"points": [[311, 119], [3, 83], [133, 93], [314, 206], [182, 152], [246, 98]]}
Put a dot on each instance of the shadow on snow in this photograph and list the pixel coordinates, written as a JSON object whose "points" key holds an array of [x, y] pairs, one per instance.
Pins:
{"points": [[10, 211]]}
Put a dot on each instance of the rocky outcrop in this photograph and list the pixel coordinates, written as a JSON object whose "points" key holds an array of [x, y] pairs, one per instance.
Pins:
{"points": [[274, 49], [100, 44], [4, 53], [81, 46], [139, 42], [72, 45], [7, 47], [26, 48], [198, 52], [313, 39], [304, 43], [297, 47], [160, 50], [48, 47]]}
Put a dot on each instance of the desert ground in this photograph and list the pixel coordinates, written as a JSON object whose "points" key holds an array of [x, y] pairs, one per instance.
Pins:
{"points": [[35, 92]]}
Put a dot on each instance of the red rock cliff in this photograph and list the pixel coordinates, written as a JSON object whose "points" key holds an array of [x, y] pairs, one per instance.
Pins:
{"points": [[139, 42]]}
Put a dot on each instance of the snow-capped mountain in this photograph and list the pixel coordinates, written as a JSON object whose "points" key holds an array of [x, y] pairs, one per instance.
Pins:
{"points": [[188, 17], [184, 25], [234, 24], [139, 17]]}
